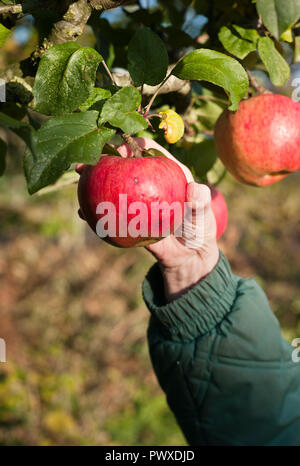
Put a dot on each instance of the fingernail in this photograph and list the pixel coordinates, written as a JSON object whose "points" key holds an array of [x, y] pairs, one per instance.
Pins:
{"points": [[190, 192]]}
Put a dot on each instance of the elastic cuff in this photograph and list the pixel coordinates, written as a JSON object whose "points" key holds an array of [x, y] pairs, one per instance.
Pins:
{"points": [[197, 311]]}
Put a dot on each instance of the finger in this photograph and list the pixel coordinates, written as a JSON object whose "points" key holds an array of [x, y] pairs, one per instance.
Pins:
{"points": [[80, 167], [147, 143], [124, 150], [199, 195], [197, 225], [150, 248], [198, 202]]}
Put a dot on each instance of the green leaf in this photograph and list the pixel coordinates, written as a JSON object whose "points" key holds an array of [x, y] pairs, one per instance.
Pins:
{"points": [[110, 150], [130, 123], [119, 111], [278, 15], [206, 115], [3, 149], [216, 68], [60, 142], [153, 153], [4, 34], [297, 49], [147, 57], [34, 119], [276, 65], [97, 95], [65, 78], [125, 100], [23, 130], [13, 110], [202, 157], [177, 38], [239, 42]]}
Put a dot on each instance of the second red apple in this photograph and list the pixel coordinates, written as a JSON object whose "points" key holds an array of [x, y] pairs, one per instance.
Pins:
{"points": [[260, 143], [220, 210]]}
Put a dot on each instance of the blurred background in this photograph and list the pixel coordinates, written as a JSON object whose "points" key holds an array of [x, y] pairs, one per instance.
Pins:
{"points": [[78, 370]]}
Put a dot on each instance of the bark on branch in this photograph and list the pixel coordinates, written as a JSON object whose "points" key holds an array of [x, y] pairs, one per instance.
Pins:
{"points": [[72, 24], [14, 9], [173, 84], [28, 6], [255, 84], [107, 4]]}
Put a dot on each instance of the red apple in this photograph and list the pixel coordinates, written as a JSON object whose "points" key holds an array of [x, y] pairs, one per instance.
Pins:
{"points": [[145, 180], [260, 143], [219, 208]]}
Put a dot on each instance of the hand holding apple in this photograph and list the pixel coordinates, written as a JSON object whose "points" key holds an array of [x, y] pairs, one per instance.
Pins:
{"points": [[184, 259]]}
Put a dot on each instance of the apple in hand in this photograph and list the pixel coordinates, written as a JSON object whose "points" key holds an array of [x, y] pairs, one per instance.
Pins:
{"points": [[260, 143], [220, 210], [118, 194]]}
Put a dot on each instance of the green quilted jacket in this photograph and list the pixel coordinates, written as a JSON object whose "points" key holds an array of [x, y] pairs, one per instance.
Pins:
{"points": [[220, 358]]}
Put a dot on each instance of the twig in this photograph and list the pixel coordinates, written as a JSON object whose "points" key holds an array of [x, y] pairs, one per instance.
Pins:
{"points": [[156, 93], [147, 118], [137, 151], [254, 83], [207, 132], [154, 115], [109, 73], [142, 89]]}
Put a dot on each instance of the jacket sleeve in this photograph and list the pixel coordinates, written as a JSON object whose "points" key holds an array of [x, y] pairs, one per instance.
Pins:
{"points": [[219, 356]]}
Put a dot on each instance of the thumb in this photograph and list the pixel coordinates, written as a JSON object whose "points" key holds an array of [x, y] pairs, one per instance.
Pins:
{"points": [[193, 231], [198, 195]]}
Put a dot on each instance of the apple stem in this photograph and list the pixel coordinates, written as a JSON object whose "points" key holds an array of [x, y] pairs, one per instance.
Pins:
{"points": [[156, 94], [155, 115], [254, 83], [136, 150]]}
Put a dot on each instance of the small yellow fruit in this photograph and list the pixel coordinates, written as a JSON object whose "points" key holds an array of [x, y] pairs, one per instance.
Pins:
{"points": [[173, 125], [287, 35]]}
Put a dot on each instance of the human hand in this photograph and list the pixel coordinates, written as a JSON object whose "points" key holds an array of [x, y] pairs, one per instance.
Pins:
{"points": [[186, 259]]}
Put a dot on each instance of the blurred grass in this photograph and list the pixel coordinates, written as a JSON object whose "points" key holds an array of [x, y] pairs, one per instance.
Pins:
{"points": [[71, 312]]}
